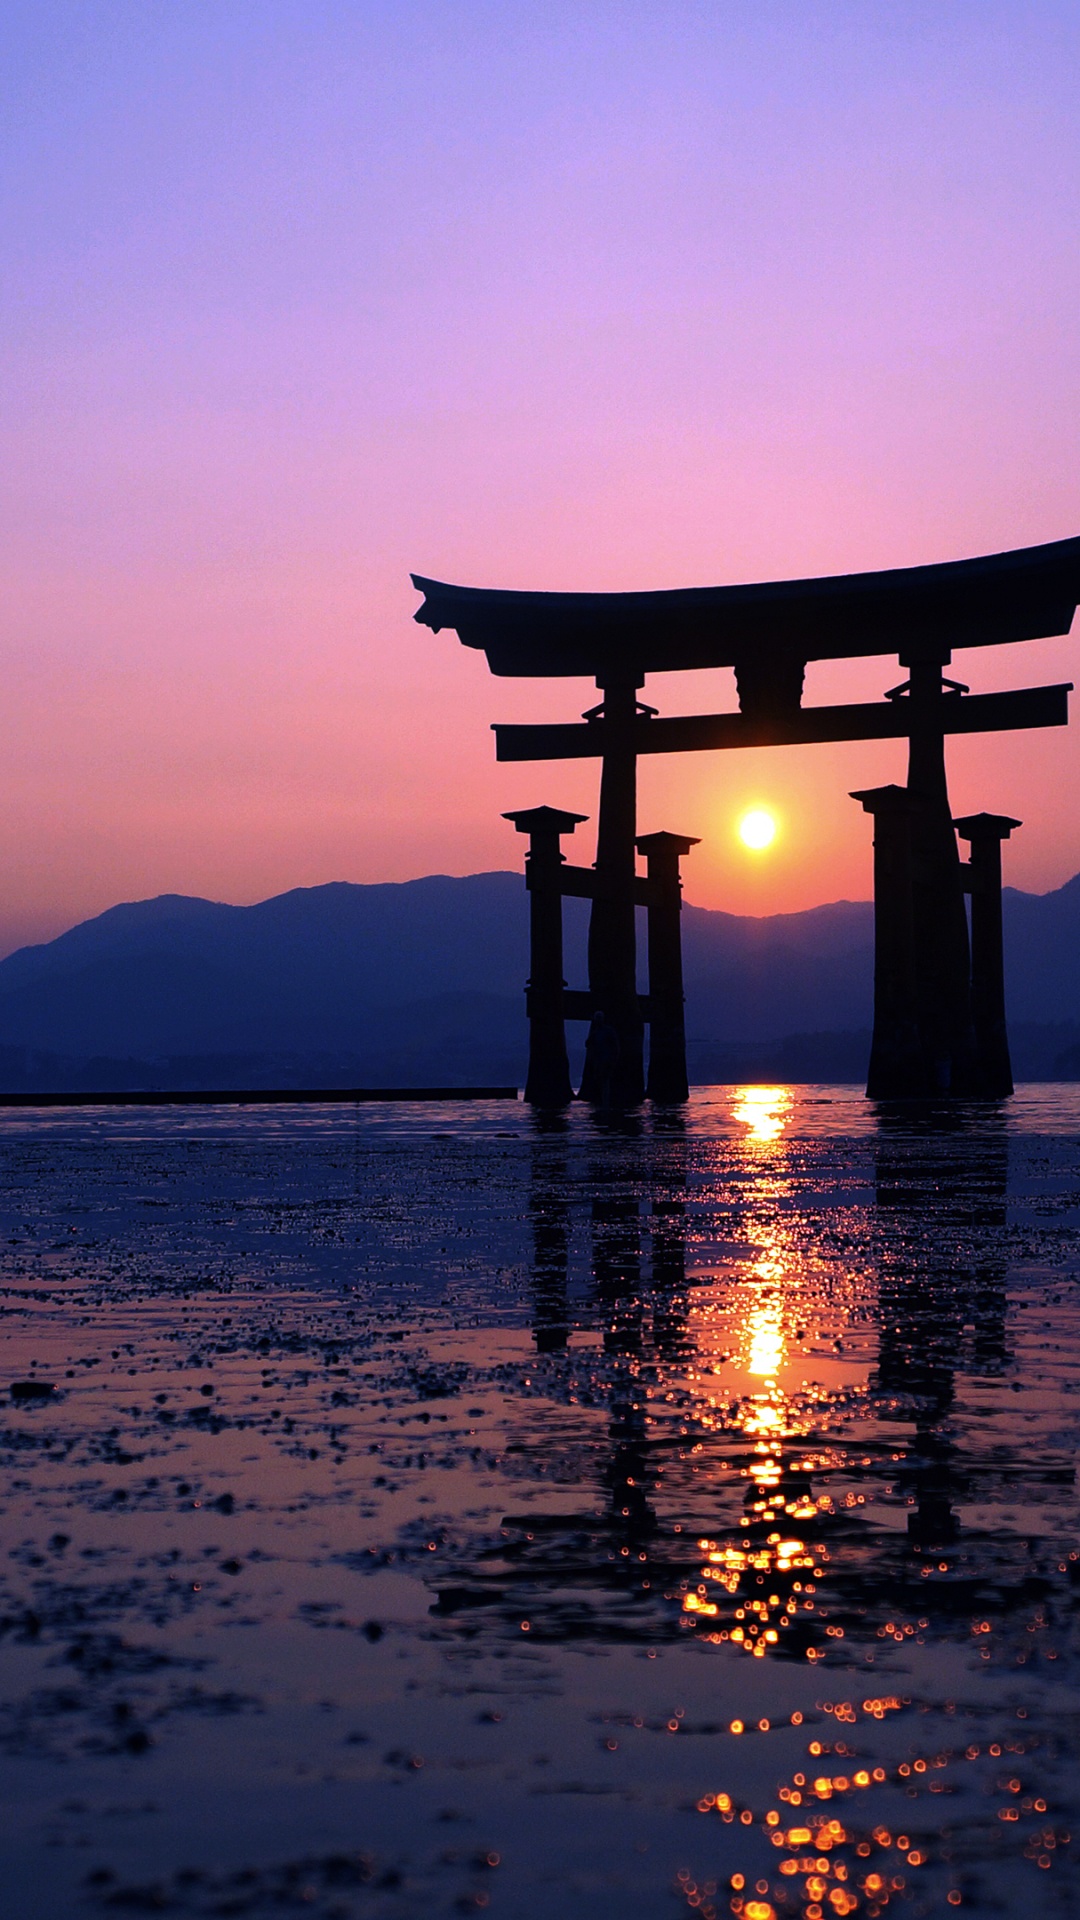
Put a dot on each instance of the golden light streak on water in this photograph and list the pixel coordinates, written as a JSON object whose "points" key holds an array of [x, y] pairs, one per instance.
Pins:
{"points": [[764, 1111]]}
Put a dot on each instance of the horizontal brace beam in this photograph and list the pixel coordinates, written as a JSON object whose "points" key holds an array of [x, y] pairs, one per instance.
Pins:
{"points": [[577, 1005], [580, 1003], [804, 726], [582, 883]]}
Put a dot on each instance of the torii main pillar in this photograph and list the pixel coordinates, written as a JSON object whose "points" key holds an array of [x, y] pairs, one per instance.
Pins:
{"points": [[612, 930], [909, 1022], [941, 948]]}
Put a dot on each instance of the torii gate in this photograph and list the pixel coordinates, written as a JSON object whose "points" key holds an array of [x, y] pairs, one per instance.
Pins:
{"points": [[938, 1028]]}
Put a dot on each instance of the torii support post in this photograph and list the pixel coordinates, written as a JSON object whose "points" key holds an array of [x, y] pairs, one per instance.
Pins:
{"points": [[548, 1081], [667, 1082], [897, 1065], [612, 932], [985, 833]]}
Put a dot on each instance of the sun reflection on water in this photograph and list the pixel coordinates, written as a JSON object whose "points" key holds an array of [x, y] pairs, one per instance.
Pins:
{"points": [[798, 1353], [765, 1333], [764, 1111]]}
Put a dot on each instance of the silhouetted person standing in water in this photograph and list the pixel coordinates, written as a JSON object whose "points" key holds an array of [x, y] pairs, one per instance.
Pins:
{"points": [[601, 1057]]}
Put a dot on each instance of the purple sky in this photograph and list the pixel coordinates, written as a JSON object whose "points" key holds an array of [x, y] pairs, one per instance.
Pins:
{"points": [[299, 297]]}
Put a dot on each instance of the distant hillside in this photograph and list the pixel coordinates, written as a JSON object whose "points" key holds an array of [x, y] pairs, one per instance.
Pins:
{"points": [[422, 982], [313, 969]]}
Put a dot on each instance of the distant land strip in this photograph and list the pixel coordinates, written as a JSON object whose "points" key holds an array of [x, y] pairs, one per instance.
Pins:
{"points": [[252, 1096]]}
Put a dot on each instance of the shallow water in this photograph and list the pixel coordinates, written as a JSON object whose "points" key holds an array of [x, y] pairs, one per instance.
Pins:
{"points": [[436, 1513]]}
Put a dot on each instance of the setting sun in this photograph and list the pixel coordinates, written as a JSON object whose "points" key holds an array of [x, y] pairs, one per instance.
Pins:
{"points": [[757, 829]]}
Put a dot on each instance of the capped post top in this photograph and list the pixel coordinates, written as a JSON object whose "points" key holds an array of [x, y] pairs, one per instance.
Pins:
{"points": [[677, 843], [985, 826], [883, 799], [545, 820]]}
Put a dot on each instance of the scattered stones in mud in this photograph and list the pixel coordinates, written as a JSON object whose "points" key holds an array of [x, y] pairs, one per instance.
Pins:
{"points": [[313, 1886], [332, 1886], [629, 1473]]}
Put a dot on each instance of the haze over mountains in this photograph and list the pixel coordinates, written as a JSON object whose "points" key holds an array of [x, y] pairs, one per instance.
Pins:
{"points": [[421, 982]]}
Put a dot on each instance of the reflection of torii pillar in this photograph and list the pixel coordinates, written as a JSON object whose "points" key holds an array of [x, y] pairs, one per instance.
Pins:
{"points": [[985, 833], [549, 1210]]}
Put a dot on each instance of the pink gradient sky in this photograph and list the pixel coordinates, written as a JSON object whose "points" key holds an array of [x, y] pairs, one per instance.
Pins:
{"points": [[301, 296]]}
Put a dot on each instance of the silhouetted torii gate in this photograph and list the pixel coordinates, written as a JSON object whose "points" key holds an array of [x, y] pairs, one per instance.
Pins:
{"points": [[938, 1017]]}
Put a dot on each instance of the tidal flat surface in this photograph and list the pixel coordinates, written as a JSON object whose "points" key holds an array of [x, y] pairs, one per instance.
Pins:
{"points": [[422, 1510]]}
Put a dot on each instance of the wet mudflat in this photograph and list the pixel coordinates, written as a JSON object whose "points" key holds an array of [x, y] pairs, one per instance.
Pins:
{"points": [[422, 1511]]}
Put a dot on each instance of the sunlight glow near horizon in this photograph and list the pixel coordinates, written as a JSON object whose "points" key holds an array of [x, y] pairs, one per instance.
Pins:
{"points": [[757, 829], [605, 298]]}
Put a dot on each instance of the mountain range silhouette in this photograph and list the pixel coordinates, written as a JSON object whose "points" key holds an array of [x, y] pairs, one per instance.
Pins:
{"points": [[420, 982]]}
